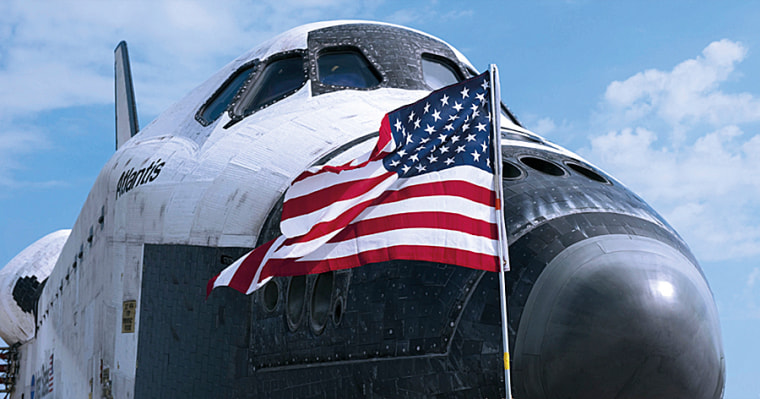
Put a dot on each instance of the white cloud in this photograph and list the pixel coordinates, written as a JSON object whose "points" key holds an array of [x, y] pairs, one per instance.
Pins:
{"points": [[679, 141], [56, 55], [430, 11], [544, 126], [689, 93], [753, 278], [749, 297], [13, 147]]}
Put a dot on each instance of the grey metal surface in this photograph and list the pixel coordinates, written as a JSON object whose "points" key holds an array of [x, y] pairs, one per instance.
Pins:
{"points": [[189, 347], [619, 316]]}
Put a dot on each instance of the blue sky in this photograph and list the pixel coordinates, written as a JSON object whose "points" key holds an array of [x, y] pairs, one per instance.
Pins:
{"points": [[663, 95]]}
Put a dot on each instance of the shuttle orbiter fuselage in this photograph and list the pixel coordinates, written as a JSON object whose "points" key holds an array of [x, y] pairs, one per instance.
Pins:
{"points": [[605, 299]]}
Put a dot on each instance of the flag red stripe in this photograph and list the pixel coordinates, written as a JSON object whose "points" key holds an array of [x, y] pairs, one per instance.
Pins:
{"points": [[210, 285], [454, 188], [327, 168], [453, 256], [384, 138], [460, 189], [439, 220], [322, 198], [245, 274]]}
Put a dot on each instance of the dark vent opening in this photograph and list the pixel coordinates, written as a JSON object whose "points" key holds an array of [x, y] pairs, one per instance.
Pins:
{"points": [[270, 295], [295, 301], [586, 171], [510, 171], [321, 298], [337, 316], [543, 166]]}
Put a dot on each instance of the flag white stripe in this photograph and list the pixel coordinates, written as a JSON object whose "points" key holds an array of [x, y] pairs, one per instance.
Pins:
{"points": [[300, 225], [226, 275], [432, 203], [255, 283], [450, 204], [468, 173], [326, 180], [408, 236]]}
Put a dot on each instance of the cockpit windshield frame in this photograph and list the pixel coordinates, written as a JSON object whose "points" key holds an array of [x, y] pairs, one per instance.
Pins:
{"points": [[221, 93], [241, 108], [385, 59], [371, 78], [444, 64]]}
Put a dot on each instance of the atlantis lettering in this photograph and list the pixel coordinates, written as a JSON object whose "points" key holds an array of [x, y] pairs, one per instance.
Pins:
{"points": [[132, 178]]}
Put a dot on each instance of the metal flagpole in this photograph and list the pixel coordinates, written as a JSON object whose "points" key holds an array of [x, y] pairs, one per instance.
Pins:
{"points": [[503, 244]]}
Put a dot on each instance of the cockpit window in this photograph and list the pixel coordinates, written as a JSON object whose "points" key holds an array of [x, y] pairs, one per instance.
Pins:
{"points": [[439, 72], [219, 102], [279, 79], [346, 67]]}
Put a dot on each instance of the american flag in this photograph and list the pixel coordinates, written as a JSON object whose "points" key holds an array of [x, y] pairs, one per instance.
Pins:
{"points": [[425, 192]]}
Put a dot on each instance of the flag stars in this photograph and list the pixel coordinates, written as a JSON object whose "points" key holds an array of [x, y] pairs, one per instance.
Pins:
{"points": [[443, 131], [484, 85]]}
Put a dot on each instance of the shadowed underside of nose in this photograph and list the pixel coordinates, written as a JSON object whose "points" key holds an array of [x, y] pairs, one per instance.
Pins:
{"points": [[619, 316]]}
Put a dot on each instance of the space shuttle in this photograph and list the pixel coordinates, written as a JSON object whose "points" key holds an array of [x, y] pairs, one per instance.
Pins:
{"points": [[605, 299]]}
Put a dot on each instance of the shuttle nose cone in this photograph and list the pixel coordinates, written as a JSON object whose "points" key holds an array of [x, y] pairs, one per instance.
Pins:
{"points": [[619, 317]]}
